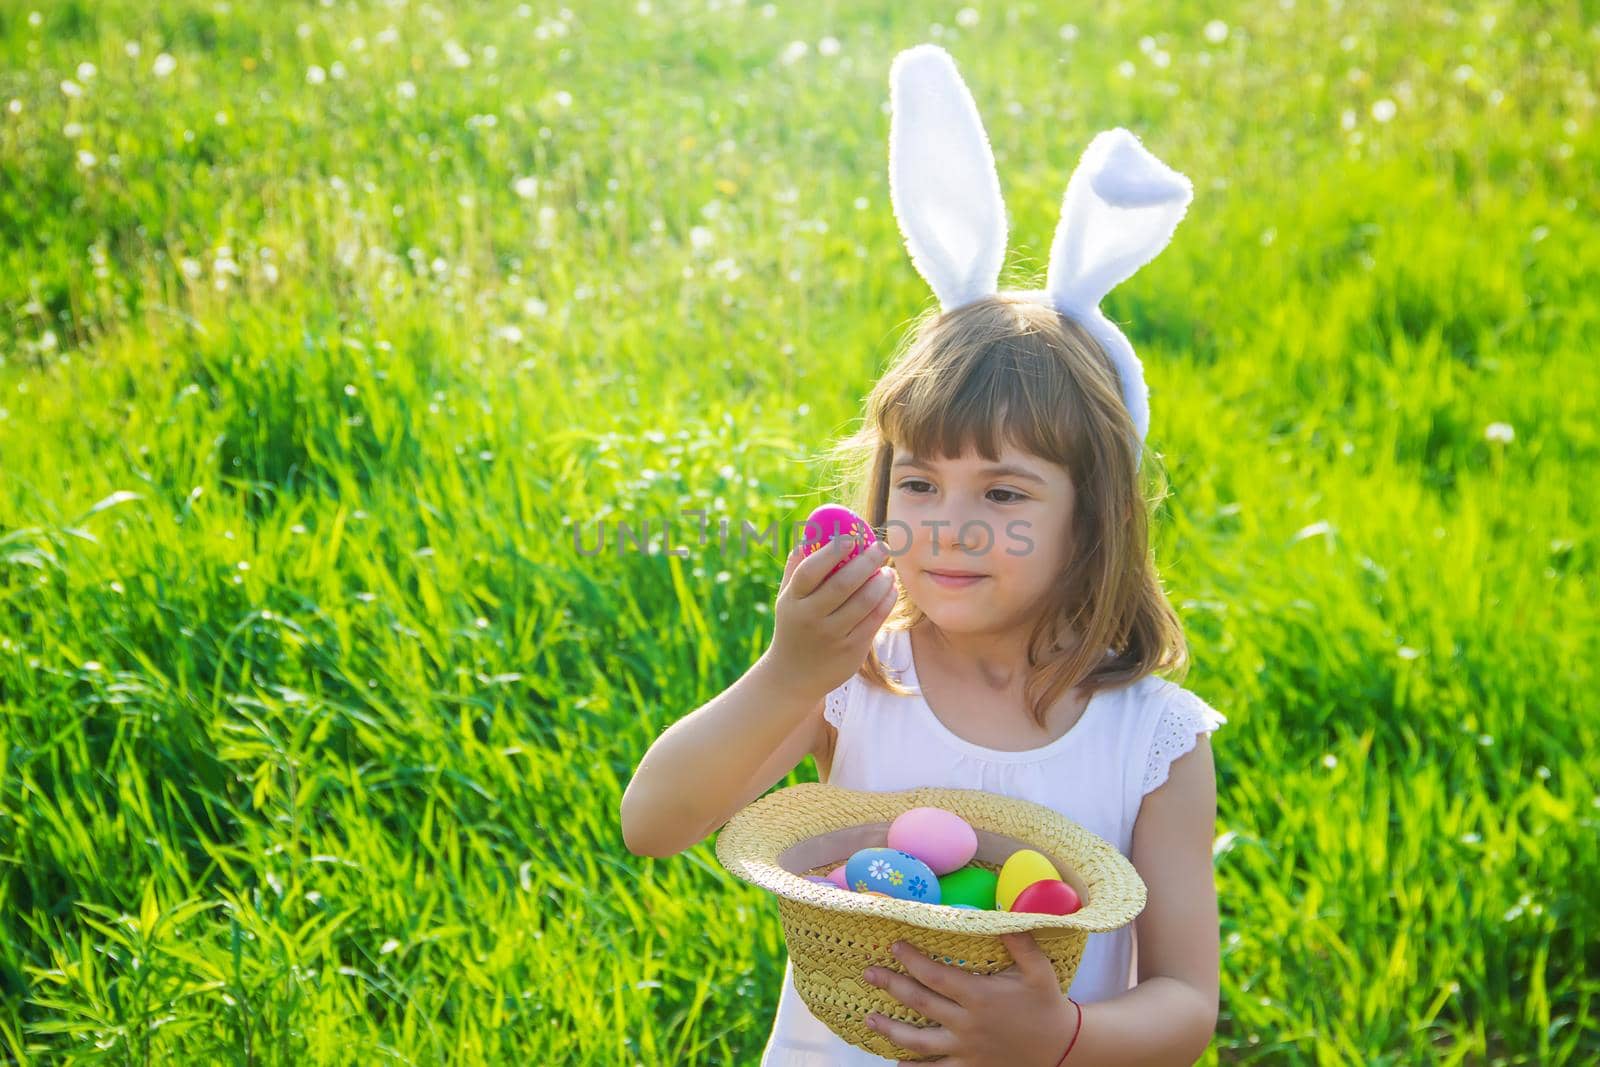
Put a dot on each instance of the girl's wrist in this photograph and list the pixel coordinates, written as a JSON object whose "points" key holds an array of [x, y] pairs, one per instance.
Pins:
{"points": [[1077, 1029]]}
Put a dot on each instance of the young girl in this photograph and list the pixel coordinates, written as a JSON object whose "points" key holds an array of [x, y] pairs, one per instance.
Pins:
{"points": [[1018, 652]]}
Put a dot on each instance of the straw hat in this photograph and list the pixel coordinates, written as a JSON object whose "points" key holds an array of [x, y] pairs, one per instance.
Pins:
{"points": [[834, 935]]}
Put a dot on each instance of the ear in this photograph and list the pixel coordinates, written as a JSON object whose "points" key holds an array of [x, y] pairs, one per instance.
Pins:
{"points": [[1120, 209], [942, 179]]}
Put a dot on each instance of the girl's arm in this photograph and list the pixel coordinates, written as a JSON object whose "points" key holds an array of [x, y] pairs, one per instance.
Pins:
{"points": [[710, 763], [714, 761], [1170, 1016]]}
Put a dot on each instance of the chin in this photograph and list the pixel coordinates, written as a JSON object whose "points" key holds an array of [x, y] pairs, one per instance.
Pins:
{"points": [[958, 618]]}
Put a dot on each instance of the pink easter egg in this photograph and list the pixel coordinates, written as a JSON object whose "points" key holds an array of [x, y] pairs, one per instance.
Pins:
{"points": [[832, 520], [942, 839], [836, 876]]}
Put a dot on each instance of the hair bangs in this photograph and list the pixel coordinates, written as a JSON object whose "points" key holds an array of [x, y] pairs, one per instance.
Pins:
{"points": [[986, 379]]}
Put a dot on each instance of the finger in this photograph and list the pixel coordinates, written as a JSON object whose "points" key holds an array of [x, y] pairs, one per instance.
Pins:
{"points": [[1032, 962], [789, 566], [951, 982], [926, 1040], [813, 569], [914, 995], [880, 611], [836, 591], [866, 582]]}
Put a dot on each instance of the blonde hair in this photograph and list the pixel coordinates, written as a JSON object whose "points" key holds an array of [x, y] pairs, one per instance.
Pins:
{"points": [[1007, 369]]}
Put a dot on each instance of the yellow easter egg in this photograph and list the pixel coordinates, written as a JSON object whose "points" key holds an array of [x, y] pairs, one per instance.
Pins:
{"points": [[1023, 868]]}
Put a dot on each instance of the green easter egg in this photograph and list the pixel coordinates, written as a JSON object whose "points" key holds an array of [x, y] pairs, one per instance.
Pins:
{"points": [[970, 885]]}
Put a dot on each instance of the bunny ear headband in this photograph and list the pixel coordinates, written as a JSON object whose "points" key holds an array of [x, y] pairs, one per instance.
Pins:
{"points": [[1120, 209]]}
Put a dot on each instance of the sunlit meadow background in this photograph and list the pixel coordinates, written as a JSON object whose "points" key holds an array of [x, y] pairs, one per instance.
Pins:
{"points": [[324, 325]]}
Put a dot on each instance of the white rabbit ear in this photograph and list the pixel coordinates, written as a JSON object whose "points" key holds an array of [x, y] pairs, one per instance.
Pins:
{"points": [[942, 179], [1120, 209]]}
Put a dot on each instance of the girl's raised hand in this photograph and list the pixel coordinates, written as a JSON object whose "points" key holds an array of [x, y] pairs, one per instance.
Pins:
{"points": [[1018, 1016], [824, 625]]}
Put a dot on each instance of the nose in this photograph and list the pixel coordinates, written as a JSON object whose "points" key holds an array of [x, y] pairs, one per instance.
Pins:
{"points": [[961, 537]]}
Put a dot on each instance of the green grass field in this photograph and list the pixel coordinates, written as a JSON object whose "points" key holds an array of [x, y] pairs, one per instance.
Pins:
{"points": [[326, 324]]}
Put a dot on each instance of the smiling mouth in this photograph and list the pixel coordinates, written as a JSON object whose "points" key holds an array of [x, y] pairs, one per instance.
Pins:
{"points": [[955, 574]]}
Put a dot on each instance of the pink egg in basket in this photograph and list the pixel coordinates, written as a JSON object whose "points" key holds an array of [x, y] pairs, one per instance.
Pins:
{"points": [[833, 520], [942, 839], [836, 876]]}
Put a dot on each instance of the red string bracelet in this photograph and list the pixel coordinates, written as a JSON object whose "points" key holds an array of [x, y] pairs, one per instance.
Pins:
{"points": [[1076, 1031]]}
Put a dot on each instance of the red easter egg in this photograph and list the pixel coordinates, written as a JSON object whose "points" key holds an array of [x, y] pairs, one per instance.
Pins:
{"points": [[1049, 896], [832, 520]]}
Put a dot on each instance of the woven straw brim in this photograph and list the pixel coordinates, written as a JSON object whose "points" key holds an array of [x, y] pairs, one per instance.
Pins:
{"points": [[834, 935]]}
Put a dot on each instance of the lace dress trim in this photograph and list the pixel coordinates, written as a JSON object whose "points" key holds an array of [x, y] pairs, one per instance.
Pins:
{"points": [[1184, 718], [838, 700]]}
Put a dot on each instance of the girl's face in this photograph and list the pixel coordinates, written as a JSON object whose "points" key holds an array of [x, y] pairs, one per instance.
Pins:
{"points": [[1005, 523]]}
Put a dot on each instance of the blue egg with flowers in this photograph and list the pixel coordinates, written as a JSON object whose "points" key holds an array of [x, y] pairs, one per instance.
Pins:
{"points": [[892, 872]]}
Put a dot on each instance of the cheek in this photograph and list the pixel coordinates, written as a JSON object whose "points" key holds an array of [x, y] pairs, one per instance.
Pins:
{"points": [[903, 533], [1022, 574], [1019, 545]]}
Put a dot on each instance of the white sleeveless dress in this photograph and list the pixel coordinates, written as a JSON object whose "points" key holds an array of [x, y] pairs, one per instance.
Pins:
{"points": [[1095, 774]]}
